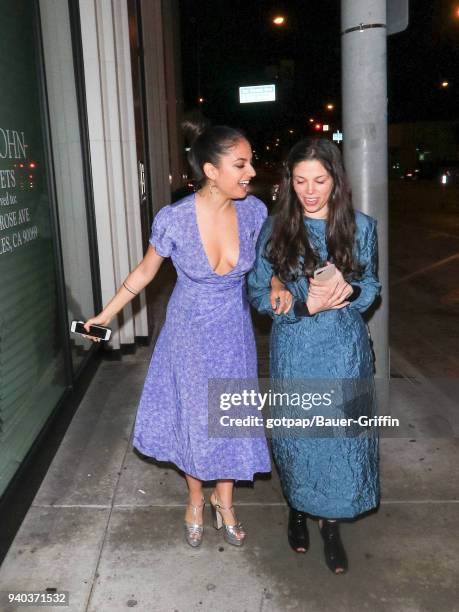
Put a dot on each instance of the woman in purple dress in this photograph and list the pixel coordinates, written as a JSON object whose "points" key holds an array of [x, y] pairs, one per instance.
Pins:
{"points": [[210, 237]]}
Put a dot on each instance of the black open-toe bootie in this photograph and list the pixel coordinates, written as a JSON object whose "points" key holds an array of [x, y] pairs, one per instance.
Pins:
{"points": [[335, 555], [298, 536]]}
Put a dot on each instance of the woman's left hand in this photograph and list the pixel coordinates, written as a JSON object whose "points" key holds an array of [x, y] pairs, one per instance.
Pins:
{"points": [[336, 289], [280, 297]]}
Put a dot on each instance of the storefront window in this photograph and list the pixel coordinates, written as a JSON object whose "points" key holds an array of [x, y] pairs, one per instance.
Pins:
{"points": [[32, 369], [46, 276]]}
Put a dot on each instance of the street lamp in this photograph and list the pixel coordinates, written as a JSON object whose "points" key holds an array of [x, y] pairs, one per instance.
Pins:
{"points": [[330, 107], [445, 84], [279, 20]]}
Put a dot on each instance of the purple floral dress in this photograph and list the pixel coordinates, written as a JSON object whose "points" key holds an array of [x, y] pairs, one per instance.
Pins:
{"points": [[207, 334]]}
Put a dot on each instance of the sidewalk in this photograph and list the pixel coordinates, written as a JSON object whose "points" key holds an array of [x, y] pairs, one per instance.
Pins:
{"points": [[106, 525]]}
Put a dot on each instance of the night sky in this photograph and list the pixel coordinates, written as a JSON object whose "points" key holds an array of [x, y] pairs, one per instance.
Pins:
{"points": [[238, 43]]}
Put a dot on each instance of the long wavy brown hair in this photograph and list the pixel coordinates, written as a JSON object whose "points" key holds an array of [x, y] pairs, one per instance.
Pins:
{"points": [[290, 241]]}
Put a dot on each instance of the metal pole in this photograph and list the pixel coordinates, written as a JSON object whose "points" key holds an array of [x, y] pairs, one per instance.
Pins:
{"points": [[364, 77]]}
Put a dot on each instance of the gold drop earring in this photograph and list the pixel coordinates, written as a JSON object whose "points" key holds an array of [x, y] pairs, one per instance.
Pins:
{"points": [[213, 188]]}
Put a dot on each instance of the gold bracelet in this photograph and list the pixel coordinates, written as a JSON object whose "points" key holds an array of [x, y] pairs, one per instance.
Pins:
{"points": [[130, 290]]}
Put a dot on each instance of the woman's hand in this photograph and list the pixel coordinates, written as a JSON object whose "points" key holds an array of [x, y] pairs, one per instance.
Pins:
{"points": [[137, 280], [101, 319], [328, 295], [281, 299]]}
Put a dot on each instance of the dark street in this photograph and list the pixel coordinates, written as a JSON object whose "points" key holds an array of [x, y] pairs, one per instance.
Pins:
{"points": [[424, 276]]}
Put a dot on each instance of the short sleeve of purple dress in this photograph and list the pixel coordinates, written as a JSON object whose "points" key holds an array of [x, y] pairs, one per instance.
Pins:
{"points": [[207, 334]]}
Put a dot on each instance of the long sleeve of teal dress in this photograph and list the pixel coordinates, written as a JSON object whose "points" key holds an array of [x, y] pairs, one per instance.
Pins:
{"points": [[328, 477], [367, 255], [259, 281]]}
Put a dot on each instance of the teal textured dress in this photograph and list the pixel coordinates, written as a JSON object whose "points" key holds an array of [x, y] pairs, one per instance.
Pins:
{"points": [[331, 477]]}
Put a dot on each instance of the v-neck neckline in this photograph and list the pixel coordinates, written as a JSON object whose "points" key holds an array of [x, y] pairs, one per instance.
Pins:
{"points": [[201, 242]]}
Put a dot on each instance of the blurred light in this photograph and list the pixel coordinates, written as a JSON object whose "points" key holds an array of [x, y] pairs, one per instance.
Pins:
{"points": [[337, 136], [445, 84], [330, 106], [32, 165], [325, 127], [267, 147], [291, 131], [311, 120], [456, 12], [444, 179], [318, 126], [279, 20], [200, 100]]}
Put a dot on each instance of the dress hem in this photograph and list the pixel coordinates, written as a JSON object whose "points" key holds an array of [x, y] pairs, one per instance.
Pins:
{"points": [[197, 476], [337, 514]]}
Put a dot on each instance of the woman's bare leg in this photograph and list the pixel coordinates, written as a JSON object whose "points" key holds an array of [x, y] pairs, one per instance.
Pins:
{"points": [[195, 498], [224, 493]]}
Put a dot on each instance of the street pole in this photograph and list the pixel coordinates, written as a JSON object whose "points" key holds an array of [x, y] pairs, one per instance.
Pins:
{"points": [[364, 78]]}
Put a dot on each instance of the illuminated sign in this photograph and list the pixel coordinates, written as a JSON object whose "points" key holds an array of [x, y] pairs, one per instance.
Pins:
{"points": [[257, 93], [337, 136]]}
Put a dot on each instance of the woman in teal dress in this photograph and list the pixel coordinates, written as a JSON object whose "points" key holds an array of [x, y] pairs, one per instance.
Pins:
{"points": [[321, 335]]}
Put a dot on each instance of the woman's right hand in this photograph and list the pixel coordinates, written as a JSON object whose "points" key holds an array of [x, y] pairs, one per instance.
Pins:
{"points": [[328, 295], [101, 319], [280, 297]]}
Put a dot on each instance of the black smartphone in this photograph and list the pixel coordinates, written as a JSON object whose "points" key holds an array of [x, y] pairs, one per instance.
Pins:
{"points": [[97, 331]]}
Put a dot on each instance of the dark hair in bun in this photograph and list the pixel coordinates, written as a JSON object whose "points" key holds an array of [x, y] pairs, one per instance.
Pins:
{"points": [[208, 144]]}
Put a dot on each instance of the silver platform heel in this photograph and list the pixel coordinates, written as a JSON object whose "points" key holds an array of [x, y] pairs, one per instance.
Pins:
{"points": [[194, 531], [233, 534]]}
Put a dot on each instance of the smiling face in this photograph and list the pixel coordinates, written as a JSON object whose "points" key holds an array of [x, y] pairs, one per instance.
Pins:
{"points": [[234, 171], [313, 186]]}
